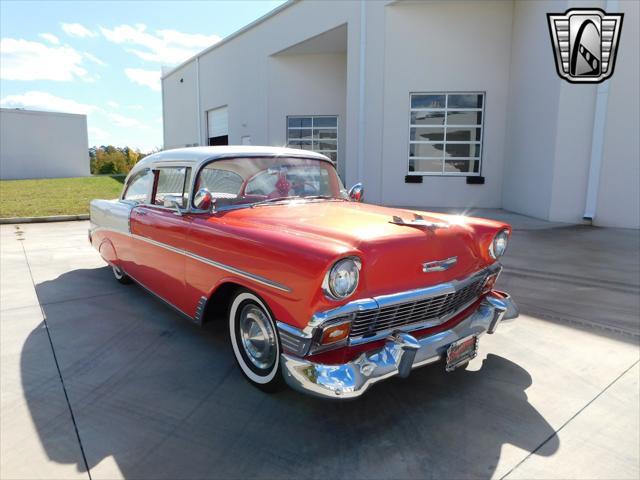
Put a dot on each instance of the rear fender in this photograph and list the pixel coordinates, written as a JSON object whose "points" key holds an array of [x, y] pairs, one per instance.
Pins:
{"points": [[108, 251]]}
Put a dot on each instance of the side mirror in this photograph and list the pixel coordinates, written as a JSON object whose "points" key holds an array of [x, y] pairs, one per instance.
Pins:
{"points": [[356, 193], [173, 201], [203, 200]]}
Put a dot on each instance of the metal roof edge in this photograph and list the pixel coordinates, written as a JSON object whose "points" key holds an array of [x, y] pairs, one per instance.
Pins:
{"points": [[230, 37]]}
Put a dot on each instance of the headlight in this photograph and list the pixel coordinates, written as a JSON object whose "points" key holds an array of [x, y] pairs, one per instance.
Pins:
{"points": [[499, 244], [342, 280]]}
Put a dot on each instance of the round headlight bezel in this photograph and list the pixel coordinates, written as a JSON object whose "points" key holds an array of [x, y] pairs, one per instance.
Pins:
{"points": [[329, 286], [495, 250]]}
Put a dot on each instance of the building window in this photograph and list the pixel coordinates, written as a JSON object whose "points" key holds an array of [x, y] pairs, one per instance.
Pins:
{"points": [[317, 133], [445, 133]]}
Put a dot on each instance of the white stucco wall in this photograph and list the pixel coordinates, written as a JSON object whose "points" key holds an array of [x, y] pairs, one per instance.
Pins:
{"points": [[443, 47], [534, 92], [180, 108], [619, 190], [42, 145], [551, 127], [313, 84]]}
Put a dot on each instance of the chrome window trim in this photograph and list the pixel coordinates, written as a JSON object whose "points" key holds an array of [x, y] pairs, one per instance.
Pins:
{"points": [[127, 183], [197, 170], [227, 268]]}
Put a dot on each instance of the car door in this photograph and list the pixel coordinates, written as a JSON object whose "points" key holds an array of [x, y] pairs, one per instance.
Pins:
{"points": [[137, 191], [207, 238], [159, 234]]}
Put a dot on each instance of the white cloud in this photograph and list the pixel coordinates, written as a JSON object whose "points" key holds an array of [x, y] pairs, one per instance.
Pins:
{"points": [[98, 135], [77, 30], [122, 121], [147, 78], [45, 101], [94, 59], [49, 37], [165, 46], [114, 104], [26, 60]]}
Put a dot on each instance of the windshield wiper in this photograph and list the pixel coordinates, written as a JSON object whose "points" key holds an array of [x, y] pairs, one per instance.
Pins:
{"points": [[296, 197], [276, 199]]}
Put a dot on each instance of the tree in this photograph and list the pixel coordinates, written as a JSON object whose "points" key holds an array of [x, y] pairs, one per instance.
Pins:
{"points": [[108, 159]]}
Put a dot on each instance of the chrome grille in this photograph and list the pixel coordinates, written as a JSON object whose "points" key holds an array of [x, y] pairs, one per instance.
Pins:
{"points": [[430, 311]]}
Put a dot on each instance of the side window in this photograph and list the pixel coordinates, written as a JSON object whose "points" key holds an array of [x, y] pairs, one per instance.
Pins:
{"points": [[173, 181], [221, 183], [139, 187]]}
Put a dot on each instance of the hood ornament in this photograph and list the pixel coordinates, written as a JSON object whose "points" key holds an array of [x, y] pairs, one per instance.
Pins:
{"points": [[419, 222], [439, 265]]}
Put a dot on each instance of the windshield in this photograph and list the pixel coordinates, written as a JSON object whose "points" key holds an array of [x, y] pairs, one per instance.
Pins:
{"points": [[268, 180]]}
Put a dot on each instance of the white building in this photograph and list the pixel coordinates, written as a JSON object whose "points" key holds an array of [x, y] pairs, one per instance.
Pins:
{"points": [[354, 74], [42, 144]]}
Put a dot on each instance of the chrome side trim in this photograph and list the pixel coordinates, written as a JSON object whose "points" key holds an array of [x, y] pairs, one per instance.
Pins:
{"points": [[213, 263], [202, 303], [293, 340]]}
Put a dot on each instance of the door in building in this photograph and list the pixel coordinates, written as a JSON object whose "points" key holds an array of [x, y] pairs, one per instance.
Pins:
{"points": [[218, 126]]}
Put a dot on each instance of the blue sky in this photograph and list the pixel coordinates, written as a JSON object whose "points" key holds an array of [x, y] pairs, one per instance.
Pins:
{"points": [[103, 58]]}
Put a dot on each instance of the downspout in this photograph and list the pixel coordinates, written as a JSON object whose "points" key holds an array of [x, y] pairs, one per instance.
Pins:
{"points": [[597, 145], [363, 51], [164, 116], [597, 141], [198, 101]]}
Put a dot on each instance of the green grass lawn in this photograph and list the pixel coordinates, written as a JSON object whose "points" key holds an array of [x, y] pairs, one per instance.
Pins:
{"points": [[55, 196]]}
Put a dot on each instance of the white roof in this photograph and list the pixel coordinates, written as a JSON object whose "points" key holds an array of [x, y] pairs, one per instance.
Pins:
{"points": [[198, 155]]}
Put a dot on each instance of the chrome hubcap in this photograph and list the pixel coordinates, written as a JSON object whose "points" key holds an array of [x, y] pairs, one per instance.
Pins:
{"points": [[258, 337]]}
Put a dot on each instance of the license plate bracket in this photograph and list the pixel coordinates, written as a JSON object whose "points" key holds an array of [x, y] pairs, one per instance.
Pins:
{"points": [[461, 352]]}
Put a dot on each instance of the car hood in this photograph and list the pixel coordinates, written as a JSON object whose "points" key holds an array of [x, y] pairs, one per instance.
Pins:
{"points": [[392, 253]]}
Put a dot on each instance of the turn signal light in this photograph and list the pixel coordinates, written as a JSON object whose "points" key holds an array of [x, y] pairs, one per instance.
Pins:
{"points": [[335, 333]]}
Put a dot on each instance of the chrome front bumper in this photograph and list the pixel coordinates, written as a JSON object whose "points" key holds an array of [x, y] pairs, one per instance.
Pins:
{"points": [[402, 353]]}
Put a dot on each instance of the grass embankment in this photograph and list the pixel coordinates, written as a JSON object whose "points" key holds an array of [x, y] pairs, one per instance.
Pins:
{"points": [[55, 196]]}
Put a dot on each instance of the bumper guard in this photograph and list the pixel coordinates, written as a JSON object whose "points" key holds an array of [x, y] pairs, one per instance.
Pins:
{"points": [[402, 353]]}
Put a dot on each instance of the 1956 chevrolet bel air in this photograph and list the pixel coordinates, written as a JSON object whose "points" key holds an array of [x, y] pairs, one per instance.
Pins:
{"points": [[319, 289]]}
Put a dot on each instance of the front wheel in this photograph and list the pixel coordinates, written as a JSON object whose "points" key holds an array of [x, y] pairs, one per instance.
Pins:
{"points": [[254, 339]]}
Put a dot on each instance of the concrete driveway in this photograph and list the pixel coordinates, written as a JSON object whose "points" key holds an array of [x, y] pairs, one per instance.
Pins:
{"points": [[103, 377]]}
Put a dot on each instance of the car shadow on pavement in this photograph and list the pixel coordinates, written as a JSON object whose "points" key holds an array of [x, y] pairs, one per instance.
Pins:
{"points": [[165, 400]]}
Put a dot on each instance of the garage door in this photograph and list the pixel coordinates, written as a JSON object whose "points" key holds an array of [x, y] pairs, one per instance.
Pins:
{"points": [[218, 126]]}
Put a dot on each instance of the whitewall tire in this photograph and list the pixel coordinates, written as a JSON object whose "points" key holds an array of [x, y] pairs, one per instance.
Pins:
{"points": [[254, 339]]}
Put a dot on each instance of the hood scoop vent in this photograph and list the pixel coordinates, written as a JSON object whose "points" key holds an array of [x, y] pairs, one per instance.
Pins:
{"points": [[418, 222]]}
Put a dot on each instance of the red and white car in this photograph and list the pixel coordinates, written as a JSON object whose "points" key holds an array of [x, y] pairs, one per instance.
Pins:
{"points": [[319, 289]]}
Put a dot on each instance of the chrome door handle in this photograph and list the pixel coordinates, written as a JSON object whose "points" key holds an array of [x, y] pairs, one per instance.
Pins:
{"points": [[142, 213]]}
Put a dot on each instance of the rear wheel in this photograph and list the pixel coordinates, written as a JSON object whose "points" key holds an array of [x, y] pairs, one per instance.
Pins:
{"points": [[254, 338], [120, 276]]}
